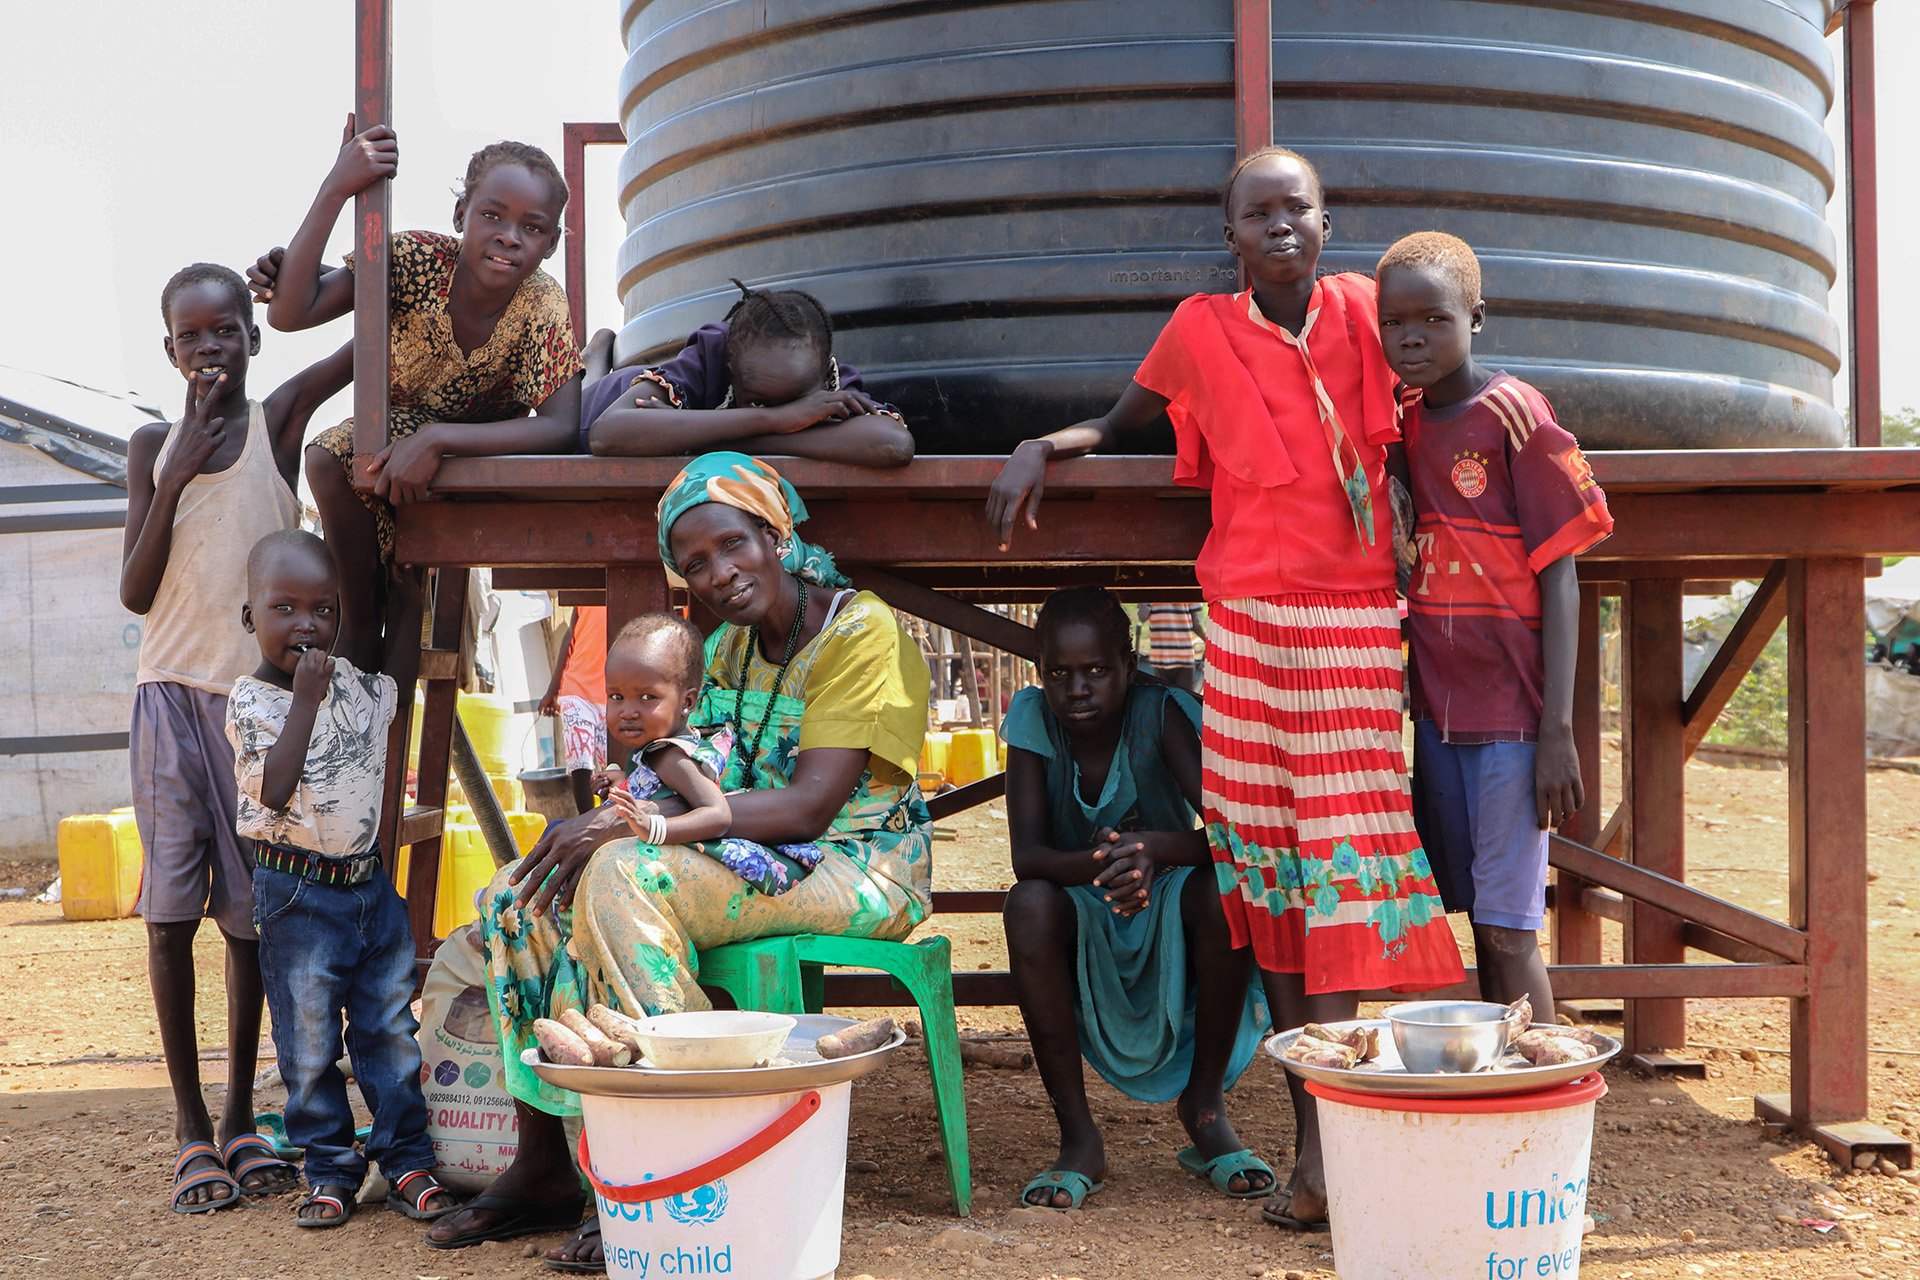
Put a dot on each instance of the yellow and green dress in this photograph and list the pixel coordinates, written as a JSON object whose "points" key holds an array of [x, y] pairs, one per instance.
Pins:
{"points": [[642, 914]]}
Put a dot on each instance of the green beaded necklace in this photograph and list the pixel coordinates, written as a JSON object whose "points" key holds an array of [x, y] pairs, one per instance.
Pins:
{"points": [[779, 678]]}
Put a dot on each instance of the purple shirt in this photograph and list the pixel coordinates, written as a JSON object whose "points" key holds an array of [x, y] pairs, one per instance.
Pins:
{"points": [[698, 377]]}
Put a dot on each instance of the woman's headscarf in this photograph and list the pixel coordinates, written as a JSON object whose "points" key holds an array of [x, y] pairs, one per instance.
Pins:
{"points": [[750, 485]]}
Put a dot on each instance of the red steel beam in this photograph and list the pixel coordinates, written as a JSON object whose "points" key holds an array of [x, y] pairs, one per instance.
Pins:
{"points": [[575, 138], [436, 749], [1621, 472], [1656, 798], [1669, 894], [1576, 931], [904, 526], [1827, 837], [372, 215], [1863, 226], [1252, 75], [1736, 655], [862, 990]]}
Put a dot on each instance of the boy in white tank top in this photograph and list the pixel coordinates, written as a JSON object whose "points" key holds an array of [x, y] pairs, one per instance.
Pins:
{"points": [[200, 493]]}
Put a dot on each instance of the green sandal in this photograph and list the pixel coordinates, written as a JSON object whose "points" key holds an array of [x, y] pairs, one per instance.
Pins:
{"points": [[1222, 1170], [1078, 1187]]}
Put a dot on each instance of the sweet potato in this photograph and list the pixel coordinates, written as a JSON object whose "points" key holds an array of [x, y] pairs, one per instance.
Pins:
{"points": [[606, 1052], [561, 1046], [1545, 1047], [861, 1037], [1364, 1041], [1315, 1052], [617, 1027]]}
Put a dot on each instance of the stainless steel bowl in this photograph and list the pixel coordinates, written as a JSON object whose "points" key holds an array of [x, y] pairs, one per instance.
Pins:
{"points": [[1450, 1035]]}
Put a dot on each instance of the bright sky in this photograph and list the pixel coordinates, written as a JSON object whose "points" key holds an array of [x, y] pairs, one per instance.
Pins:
{"points": [[139, 137]]}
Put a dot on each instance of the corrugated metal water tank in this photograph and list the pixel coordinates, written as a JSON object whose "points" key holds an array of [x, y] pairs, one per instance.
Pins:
{"points": [[1001, 203]]}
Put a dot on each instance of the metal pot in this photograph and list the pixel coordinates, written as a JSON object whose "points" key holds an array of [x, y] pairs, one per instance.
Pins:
{"points": [[1451, 1035]]}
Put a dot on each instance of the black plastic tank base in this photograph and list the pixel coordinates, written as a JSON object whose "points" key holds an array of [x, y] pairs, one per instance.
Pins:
{"points": [[1002, 203]]}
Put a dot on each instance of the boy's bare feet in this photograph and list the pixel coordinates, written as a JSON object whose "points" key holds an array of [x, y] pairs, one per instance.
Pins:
{"points": [[1302, 1205], [541, 1175], [325, 1204], [583, 1250], [209, 1192], [1205, 1120]]}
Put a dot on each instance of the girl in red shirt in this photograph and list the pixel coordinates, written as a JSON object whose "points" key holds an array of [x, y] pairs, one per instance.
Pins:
{"points": [[1282, 407]]}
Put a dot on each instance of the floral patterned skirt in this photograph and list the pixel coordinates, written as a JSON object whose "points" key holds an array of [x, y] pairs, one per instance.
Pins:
{"points": [[632, 939], [1306, 799], [338, 441]]}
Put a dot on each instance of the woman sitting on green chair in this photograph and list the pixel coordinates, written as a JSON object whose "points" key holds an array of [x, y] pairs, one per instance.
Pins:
{"points": [[825, 698]]}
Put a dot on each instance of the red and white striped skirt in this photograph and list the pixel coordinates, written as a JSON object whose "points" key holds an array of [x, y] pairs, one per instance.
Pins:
{"points": [[1306, 799]]}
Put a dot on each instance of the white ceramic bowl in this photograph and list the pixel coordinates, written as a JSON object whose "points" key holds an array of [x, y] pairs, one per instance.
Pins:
{"points": [[713, 1039]]}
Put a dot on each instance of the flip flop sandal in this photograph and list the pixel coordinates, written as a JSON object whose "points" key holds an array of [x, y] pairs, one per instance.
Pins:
{"points": [[525, 1218], [275, 1124], [1222, 1170], [572, 1265], [256, 1154], [1278, 1219], [424, 1187], [184, 1182], [1078, 1187], [320, 1195]]}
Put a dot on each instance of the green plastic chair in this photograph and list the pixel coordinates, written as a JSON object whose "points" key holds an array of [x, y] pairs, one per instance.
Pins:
{"points": [[784, 975]]}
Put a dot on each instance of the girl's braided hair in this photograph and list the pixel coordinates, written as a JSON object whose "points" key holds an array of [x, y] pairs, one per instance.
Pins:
{"points": [[1097, 607], [1267, 153], [777, 315], [526, 155]]}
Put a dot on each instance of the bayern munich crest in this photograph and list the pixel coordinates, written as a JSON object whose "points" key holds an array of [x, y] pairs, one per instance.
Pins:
{"points": [[1470, 477]]}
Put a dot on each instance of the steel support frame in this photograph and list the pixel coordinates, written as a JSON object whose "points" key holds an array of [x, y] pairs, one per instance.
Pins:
{"points": [[575, 138], [1828, 859]]}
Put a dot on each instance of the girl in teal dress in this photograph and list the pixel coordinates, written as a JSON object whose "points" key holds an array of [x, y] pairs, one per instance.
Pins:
{"points": [[1109, 932]]}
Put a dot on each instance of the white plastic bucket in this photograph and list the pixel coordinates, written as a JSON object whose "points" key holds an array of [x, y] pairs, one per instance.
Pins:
{"points": [[1458, 1188], [749, 1187]]}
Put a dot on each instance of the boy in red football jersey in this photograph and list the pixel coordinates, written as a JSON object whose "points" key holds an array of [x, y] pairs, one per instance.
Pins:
{"points": [[1503, 501]]}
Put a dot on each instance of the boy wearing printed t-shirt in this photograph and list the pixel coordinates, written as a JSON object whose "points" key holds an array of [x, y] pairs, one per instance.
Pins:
{"points": [[1503, 501]]}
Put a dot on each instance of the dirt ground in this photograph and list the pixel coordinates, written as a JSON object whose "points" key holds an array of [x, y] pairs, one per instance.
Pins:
{"points": [[1684, 1181]]}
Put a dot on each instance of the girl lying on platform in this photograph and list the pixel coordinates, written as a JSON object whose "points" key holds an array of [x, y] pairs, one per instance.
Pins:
{"points": [[763, 380], [1114, 928], [484, 361]]}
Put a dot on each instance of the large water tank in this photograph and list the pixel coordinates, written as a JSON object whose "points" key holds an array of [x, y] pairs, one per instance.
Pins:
{"points": [[1001, 203]]}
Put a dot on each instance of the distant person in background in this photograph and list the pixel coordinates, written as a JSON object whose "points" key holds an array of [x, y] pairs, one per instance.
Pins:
{"points": [[763, 380], [1171, 632], [577, 694], [200, 493]]}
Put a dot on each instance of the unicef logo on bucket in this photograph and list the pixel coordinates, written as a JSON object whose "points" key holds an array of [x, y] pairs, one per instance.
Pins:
{"points": [[700, 1206]]}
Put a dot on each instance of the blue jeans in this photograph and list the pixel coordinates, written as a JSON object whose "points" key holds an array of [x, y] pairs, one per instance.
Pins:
{"points": [[325, 949]]}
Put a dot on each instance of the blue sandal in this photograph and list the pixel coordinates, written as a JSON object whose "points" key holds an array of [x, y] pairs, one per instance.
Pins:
{"points": [[1078, 1187], [1222, 1170]]}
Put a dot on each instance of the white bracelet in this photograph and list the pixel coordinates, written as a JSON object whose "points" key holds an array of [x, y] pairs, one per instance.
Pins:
{"points": [[656, 829]]}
